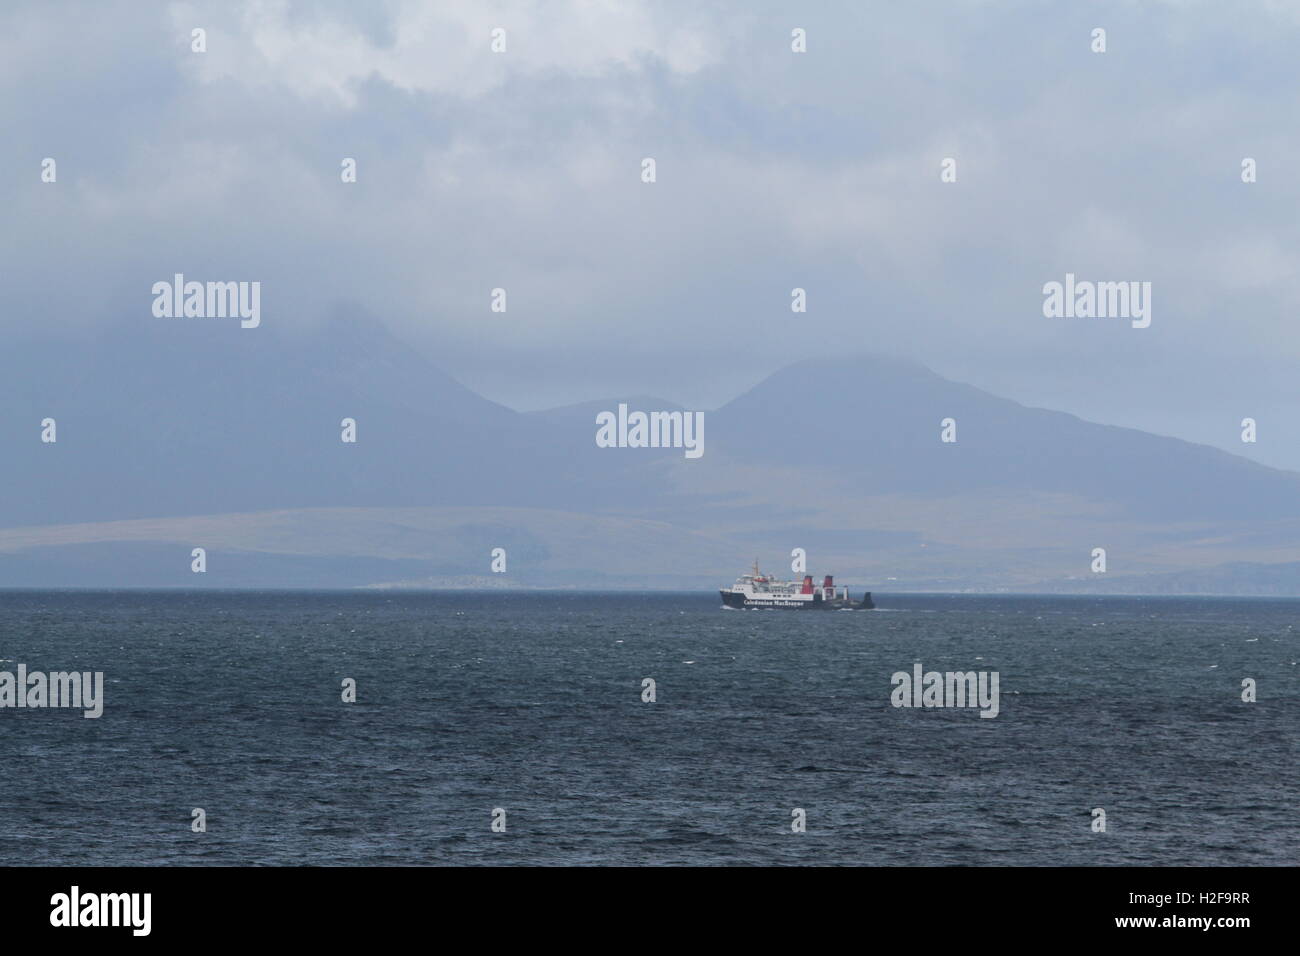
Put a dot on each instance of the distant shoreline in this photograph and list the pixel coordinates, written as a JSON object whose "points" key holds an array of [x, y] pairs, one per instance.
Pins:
{"points": [[535, 589]]}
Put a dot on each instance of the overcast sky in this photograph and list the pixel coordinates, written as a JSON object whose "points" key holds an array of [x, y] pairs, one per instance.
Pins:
{"points": [[820, 170]]}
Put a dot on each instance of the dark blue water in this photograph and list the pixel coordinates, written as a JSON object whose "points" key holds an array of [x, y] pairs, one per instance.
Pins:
{"points": [[532, 702]]}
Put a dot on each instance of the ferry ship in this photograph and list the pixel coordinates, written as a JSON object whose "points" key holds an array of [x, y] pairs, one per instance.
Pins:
{"points": [[759, 590]]}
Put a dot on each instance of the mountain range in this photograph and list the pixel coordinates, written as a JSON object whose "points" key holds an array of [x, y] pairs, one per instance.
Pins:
{"points": [[177, 435]]}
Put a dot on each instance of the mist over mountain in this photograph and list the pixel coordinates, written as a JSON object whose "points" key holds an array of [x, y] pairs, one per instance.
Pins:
{"points": [[180, 434]]}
